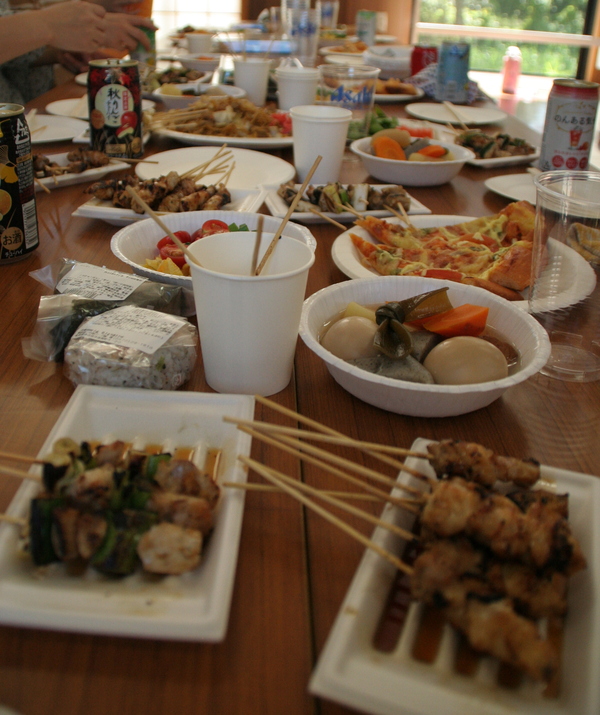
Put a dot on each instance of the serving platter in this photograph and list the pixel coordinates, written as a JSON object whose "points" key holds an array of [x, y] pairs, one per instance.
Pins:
{"points": [[50, 128], [251, 169], [278, 207], [473, 116], [239, 142], [192, 607], [54, 182], [248, 200], [497, 162], [516, 187], [352, 671], [578, 282]]}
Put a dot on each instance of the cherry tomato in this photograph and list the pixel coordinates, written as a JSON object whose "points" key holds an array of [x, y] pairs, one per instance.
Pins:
{"points": [[175, 254], [183, 236], [283, 121], [211, 226]]}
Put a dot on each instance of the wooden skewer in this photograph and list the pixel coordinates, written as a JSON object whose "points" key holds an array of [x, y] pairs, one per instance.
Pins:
{"points": [[20, 458], [454, 130], [286, 218], [38, 129], [133, 161], [455, 113], [323, 428], [17, 520], [328, 468], [253, 487], [328, 218], [20, 474], [227, 176], [134, 195], [352, 210], [43, 186], [259, 228], [274, 478]]}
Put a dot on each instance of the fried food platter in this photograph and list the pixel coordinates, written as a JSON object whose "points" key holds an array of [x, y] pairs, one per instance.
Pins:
{"points": [[194, 606], [351, 670]]}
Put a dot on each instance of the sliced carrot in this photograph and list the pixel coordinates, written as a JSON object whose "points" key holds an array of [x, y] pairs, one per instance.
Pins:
{"points": [[433, 150], [418, 131], [387, 148], [464, 320]]}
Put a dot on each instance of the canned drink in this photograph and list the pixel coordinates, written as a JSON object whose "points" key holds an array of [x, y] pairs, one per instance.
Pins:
{"points": [[115, 103], [453, 73], [141, 54], [18, 217], [569, 125], [366, 26], [422, 55]]}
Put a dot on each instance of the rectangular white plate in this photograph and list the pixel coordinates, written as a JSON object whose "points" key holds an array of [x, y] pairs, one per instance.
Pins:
{"points": [[54, 182], [501, 161], [351, 671], [249, 200], [194, 606], [279, 208]]}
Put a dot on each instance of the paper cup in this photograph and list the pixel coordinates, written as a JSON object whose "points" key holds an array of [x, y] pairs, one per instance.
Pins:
{"points": [[319, 130], [252, 74], [199, 42], [296, 86], [248, 324]]}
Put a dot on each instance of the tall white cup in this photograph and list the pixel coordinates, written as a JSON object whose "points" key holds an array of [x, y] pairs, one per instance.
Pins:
{"points": [[296, 86], [319, 130], [252, 74], [248, 324]]}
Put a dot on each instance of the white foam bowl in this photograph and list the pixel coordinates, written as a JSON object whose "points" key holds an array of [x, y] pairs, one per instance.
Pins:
{"points": [[415, 399], [392, 60], [180, 101], [135, 243], [201, 61], [412, 173]]}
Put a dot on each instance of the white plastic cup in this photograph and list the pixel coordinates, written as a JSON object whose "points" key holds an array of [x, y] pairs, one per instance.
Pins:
{"points": [[319, 130], [248, 324], [199, 42], [252, 74], [296, 86]]}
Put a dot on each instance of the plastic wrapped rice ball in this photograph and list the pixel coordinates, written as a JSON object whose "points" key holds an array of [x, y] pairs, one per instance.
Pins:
{"points": [[132, 347]]}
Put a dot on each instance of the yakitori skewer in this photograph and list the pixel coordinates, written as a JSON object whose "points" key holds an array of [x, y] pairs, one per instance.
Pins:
{"points": [[327, 218], [253, 487], [404, 216], [275, 477], [257, 240], [454, 111]]}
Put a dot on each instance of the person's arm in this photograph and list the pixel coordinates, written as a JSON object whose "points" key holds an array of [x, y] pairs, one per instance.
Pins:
{"points": [[123, 32], [72, 26]]}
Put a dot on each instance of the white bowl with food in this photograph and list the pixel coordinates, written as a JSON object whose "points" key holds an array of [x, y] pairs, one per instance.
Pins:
{"points": [[392, 60], [136, 243], [179, 96], [204, 62], [412, 173], [513, 325]]}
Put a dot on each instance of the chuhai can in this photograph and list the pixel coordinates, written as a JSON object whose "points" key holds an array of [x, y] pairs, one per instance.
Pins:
{"points": [[453, 73], [115, 104], [18, 217], [569, 125]]}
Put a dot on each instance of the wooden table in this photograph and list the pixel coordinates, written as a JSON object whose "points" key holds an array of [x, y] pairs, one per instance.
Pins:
{"points": [[293, 568]]}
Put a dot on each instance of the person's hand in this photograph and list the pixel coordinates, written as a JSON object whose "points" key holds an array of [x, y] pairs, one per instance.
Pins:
{"points": [[116, 5], [75, 26], [123, 31], [75, 62]]}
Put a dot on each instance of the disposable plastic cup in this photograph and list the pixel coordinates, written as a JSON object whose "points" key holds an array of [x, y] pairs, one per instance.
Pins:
{"points": [[252, 74], [199, 42], [248, 324], [296, 86], [566, 257], [351, 87], [319, 131]]}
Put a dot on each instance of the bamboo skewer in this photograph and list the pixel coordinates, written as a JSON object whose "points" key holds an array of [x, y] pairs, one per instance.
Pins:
{"points": [[16, 520], [328, 218], [134, 195], [323, 428], [328, 468], [455, 113], [20, 458], [286, 218], [43, 186], [259, 228], [275, 478], [253, 487], [11, 471]]}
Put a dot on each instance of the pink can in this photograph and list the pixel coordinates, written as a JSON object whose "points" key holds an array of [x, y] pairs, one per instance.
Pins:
{"points": [[569, 125]]}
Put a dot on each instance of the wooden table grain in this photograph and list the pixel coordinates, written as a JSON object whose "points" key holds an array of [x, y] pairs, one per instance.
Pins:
{"points": [[293, 568]]}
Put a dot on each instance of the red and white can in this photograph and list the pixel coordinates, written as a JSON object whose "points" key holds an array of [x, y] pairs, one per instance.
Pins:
{"points": [[569, 125], [422, 55]]}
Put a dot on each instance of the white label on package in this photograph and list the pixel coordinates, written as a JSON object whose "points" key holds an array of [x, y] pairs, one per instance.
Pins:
{"points": [[131, 327], [98, 283]]}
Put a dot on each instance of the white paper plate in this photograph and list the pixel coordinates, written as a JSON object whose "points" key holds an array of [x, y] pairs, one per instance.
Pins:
{"points": [[516, 187], [344, 59], [331, 50], [247, 142], [351, 671], [474, 116], [194, 606], [578, 278], [82, 79], [279, 208], [248, 200], [52, 182], [79, 110], [397, 98], [251, 167], [50, 128]]}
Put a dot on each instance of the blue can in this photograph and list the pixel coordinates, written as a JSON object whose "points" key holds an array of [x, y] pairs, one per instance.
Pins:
{"points": [[453, 73]]}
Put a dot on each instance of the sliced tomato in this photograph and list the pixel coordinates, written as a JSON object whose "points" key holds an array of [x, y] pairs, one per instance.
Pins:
{"points": [[211, 226], [443, 273], [170, 250], [183, 236]]}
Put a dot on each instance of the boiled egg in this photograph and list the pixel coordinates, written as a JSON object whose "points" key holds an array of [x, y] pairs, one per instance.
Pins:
{"points": [[465, 360], [351, 338]]}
